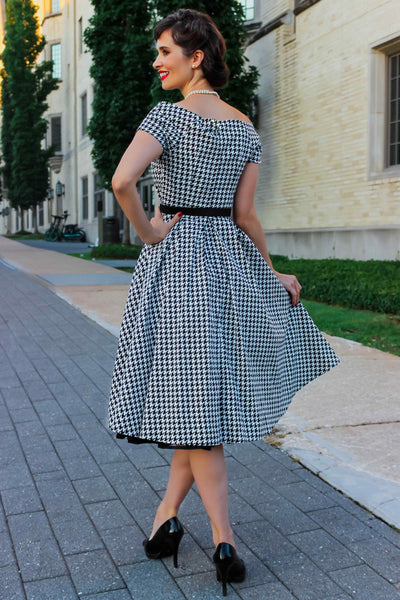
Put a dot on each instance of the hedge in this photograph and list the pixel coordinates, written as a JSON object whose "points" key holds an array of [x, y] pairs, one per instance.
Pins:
{"points": [[117, 251], [371, 285]]}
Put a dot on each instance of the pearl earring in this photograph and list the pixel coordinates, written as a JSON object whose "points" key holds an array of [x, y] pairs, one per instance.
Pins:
{"points": [[193, 66]]}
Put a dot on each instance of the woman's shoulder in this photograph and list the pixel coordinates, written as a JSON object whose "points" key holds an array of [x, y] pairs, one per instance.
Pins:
{"points": [[223, 111]]}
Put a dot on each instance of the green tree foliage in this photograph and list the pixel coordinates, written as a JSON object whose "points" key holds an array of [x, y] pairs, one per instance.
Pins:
{"points": [[118, 39], [6, 138], [229, 17], [26, 86]]}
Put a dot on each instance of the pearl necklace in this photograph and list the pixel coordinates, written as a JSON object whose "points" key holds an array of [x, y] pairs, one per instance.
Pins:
{"points": [[202, 92]]}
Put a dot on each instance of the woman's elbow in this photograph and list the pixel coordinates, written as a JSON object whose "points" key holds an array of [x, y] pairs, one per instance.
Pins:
{"points": [[244, 218], [116, 183], [120, 184]]}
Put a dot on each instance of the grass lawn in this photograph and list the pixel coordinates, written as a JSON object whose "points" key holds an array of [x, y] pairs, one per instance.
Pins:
{"points": [[83, 255], [377, 330]]}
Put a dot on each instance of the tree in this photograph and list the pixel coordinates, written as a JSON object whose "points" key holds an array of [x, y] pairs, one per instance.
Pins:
{"points": [[229, 17], [6, 137], [24, 103], [118, 37]]}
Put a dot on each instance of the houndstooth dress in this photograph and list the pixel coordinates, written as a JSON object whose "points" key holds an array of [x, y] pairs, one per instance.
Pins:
{"points": [[211, 349]]}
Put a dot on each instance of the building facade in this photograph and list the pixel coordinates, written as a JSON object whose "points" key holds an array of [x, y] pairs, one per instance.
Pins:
{"points": [[74, 184], [328, 117]]}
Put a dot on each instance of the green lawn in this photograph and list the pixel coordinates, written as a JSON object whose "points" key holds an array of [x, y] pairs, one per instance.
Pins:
{"points": [[83, 255], [377, 330]]}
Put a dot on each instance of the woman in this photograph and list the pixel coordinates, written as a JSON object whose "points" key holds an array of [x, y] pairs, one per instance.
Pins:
{"points": [[214, 342]]}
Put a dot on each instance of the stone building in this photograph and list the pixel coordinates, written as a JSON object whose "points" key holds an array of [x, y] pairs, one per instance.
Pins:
{"points": [[79, 189], [328, 116], [329, 119]]}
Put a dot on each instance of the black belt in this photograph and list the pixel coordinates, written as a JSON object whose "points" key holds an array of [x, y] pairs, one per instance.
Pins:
{"points": [[196, 210]]}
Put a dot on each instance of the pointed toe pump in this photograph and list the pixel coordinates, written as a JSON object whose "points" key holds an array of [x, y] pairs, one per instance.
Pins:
{"points": [[165, 541], [229, 566]]}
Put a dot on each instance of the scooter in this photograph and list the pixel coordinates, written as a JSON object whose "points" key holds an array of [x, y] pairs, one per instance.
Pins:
{"points": [[72, 232], [58, 232]]}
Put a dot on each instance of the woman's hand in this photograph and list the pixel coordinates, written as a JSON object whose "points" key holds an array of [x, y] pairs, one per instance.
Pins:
{"points": [[290, 284], [160, 227]]}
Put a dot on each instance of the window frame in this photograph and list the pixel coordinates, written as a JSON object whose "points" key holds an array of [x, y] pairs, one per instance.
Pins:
{"points": [[254, 8], [85, 198], [40, 214], [58, 10], [378, 109], [84, 113], [98, 194], [80, 35], [53, 45], [52, 118], [388, 120]]}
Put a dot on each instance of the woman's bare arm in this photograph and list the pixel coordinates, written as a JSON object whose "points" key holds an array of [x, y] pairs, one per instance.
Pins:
{"points": [[245, 217], [143, 149]]}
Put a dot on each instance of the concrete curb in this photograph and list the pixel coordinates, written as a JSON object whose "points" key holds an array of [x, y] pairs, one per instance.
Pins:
{"points": [[378, 495]]}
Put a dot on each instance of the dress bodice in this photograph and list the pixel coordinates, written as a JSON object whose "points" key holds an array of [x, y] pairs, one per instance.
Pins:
{"points": [[202, 158]]}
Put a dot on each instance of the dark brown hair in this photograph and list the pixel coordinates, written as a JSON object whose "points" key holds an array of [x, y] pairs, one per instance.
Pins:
{"points": [[194, 30]]}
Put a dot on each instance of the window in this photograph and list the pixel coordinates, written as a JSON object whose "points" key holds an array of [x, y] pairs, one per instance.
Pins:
{"points": [[394, 110], [56, 58], [85, 198], [83, 114], [147, 196], [99, 194], [80, 34], [41, 216], [55, 132], [384, 109], [55, 6], [248, 7]]}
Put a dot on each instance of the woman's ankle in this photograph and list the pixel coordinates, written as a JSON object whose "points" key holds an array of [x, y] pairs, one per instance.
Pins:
{"points": [[163, 513], [226, 536], [167, 510]]}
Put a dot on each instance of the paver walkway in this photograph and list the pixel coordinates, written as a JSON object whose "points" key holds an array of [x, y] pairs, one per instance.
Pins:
{"points": [[76, 503]]}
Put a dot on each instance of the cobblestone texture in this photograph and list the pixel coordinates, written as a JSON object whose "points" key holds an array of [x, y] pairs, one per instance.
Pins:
{"points": [[76, 503]]}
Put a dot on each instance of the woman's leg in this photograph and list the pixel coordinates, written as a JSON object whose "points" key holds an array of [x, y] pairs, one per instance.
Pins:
{"points": [[179, 483], [209, 472]]}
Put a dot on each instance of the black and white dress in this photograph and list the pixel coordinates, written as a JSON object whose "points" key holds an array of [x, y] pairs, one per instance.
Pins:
{"points": [[211, 349]]}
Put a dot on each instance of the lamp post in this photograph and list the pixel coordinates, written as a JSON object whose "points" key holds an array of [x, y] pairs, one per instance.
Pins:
{"points": [[60, 192], [60, 189]]}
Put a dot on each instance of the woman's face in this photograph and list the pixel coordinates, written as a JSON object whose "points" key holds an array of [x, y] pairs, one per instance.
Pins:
{"points": [[174, 67]]}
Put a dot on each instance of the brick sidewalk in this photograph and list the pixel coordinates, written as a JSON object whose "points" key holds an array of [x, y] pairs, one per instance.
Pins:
{"points": [[77, 503]]}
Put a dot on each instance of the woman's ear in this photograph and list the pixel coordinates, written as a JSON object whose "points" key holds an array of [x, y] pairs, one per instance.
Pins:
{"points": [[198, 56]]}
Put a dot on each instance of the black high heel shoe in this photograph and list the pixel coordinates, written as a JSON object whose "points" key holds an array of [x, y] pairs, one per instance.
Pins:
{"points": [[165, 541], [228, 565]]}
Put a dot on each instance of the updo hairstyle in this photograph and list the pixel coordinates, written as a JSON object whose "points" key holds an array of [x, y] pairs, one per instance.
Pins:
{"points": [[194, 30]]}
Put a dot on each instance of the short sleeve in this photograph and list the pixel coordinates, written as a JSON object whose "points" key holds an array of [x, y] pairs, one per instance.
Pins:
{"points": [[155, 124], [255, 150]]}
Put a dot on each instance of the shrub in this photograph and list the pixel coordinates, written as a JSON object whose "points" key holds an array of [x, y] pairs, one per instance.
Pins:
{"points": [[117, 251], [371, 285]]}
